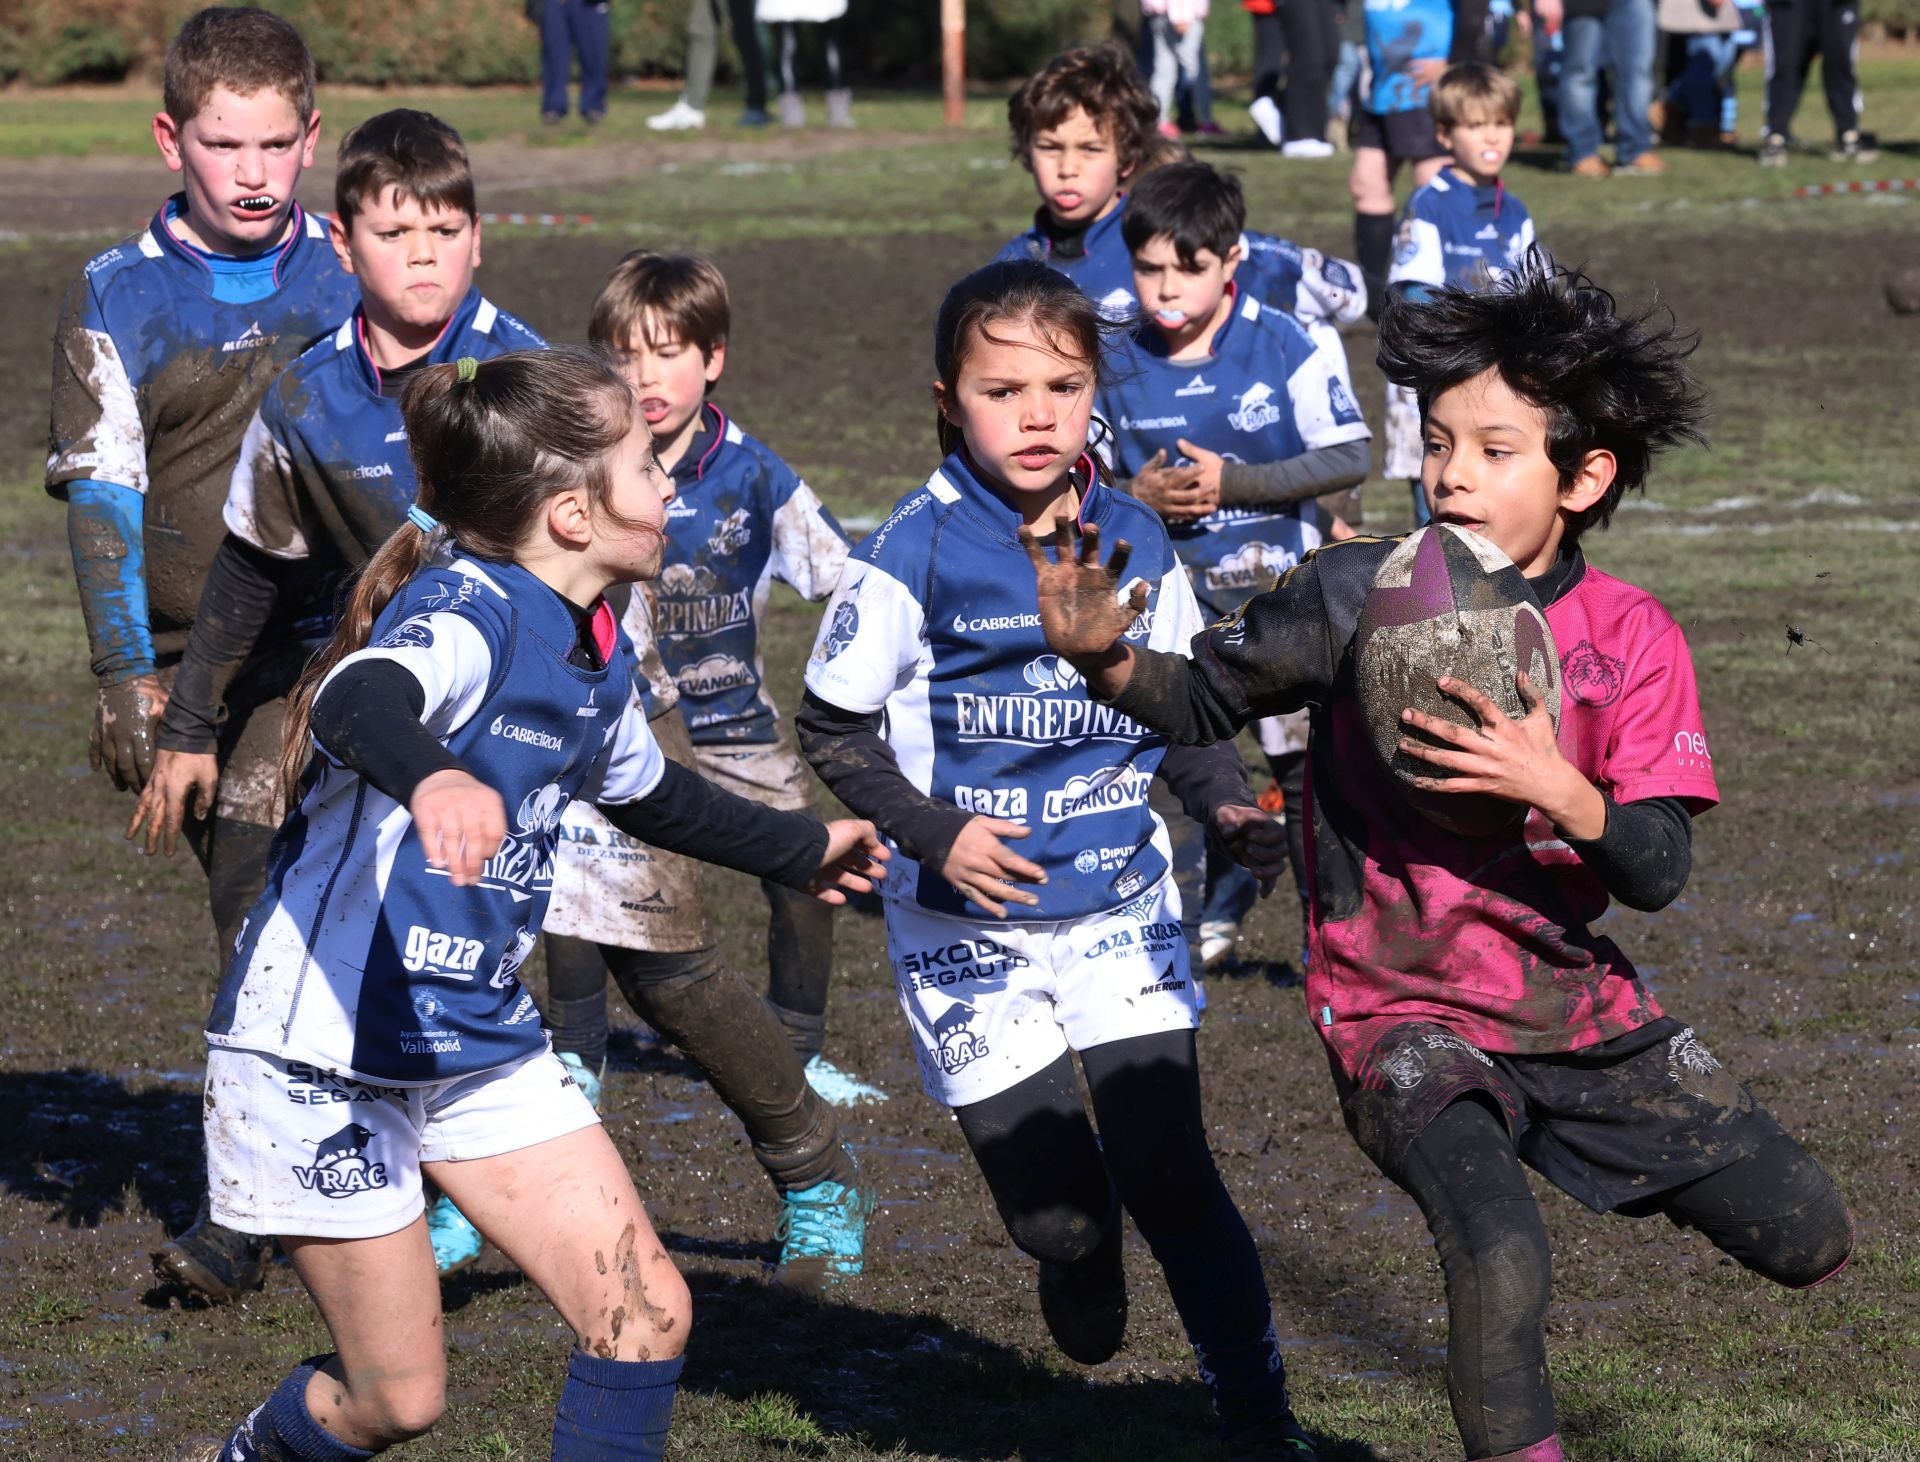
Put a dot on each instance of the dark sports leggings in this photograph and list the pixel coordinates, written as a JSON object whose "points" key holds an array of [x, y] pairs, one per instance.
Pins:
{"points": [[234, 855], [1057, 1187], [1775, 1211], [799, 964], [721, 1024], [787, 42]]}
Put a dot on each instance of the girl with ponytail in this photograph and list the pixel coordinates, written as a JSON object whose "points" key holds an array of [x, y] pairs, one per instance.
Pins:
{"points": [[371, 1031]]}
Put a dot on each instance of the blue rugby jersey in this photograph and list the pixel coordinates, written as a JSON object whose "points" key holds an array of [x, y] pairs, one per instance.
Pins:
{"points": [[323, 468], [1400, 32], [742, 519], [155, 379], [1265, 394], [937, 624], [1460, 233], [1103, 269], [360, 958]]}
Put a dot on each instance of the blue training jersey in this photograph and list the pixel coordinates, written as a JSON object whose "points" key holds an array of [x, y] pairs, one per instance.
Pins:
{"points": [[1100, 265], [360, 958], [155, 379], [741, 519], [1460, 233], [1400, 32], [323, 469], [1266, 393], [937, 626]]}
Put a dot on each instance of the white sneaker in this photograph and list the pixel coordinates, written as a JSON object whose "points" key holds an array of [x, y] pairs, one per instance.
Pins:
{"points": [[1266, 116], [1306, 147], [678, 118], [1217, 941]]}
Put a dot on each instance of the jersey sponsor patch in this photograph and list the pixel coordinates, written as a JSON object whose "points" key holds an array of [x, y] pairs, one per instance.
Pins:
{"points": [[842, 628], [341, 1168], [1102, 792], [1256, 409]]}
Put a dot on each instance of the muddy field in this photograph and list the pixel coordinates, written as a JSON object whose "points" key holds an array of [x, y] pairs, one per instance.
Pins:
{"points": [[1794, 953]]}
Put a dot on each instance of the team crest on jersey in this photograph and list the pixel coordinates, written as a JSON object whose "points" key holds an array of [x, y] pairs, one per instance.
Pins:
{"points": [[954, 1041], [841, 628], [340, 1166], [1116, 304], [415, 634], [732, 535], [1256, 409], [1592, 678]]}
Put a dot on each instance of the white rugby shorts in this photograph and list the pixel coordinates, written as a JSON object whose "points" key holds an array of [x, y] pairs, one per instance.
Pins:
{"points": [[990, 1002], [293, 1150]]}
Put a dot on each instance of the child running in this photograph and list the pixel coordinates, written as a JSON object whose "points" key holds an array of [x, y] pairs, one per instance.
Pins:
{"points": [[741, 520], [1475, 1022], [475, 685], [1033, 914]]}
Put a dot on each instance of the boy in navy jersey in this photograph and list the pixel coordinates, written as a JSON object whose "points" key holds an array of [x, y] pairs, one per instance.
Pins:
{"points": [[1084, 127], [742, 519], [1230, 422], [1462, 227], [163, 349], [1474, 1019]]}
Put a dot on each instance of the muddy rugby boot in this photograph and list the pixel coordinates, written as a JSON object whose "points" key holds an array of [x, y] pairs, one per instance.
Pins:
{"points": [[1085, 1303], [456, 1242], [1277, 1439], [823, 1233], [214, 1262]]}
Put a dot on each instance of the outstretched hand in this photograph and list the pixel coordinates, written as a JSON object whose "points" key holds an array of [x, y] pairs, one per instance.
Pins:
{"points": [[851, 863], [461, 822], [182, 785], [1081, 611]]}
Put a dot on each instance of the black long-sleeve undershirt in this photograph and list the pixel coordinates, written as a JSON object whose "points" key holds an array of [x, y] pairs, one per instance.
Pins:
{"points": [[237, 603], [368, 719]]}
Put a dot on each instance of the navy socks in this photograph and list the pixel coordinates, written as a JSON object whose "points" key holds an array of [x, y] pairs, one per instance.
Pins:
{"points": [[615, 1410], [283, 1430]]}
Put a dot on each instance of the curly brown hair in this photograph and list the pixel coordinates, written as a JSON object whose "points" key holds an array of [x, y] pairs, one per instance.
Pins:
{"points": [[1101, 81]]}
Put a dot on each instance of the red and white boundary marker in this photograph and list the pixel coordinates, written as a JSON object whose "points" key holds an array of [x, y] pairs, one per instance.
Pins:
{"points": [[1877, 185], [539, 220]]}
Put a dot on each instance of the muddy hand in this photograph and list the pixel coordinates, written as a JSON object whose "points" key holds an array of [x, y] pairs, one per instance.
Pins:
{"points": [[1256, 838], [126, 716], [1080, 606], [853, 861], [182, 786]]}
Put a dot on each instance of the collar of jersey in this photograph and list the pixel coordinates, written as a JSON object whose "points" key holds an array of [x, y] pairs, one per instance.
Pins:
{"points": [[1562, 578], [1154, 345], [704, 448], [195, 262], [958, 481], [447, 347], [1076, 243], [541, 611]]}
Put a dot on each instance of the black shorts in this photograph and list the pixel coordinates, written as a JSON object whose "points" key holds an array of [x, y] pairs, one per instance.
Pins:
{"points": [[1403, 136], [1613, 1125]]}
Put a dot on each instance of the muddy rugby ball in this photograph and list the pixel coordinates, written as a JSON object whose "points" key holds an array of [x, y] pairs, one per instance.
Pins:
{"points": [[1447, 602]]}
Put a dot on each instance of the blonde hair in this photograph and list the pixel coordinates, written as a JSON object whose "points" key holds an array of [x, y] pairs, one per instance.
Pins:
{"points": [[1472, 92]]}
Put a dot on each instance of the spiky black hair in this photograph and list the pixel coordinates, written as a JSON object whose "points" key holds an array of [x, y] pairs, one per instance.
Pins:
{"points": [[1606, 381]]}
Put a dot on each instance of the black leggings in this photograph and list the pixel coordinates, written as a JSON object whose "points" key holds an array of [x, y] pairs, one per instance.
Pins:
{"points": [[234, 855], [721, 1024], [787, 41], [1059, 1191], [1775, 1211], [1795, 30], [799, 964]]}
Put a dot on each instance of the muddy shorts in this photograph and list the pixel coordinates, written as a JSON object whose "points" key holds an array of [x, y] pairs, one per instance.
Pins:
{"points": [[768, 772], [613, 889], [991, 1003], [1612, 1125], [293, 1150]]}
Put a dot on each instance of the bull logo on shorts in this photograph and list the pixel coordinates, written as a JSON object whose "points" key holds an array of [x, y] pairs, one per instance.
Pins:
{"points": [[954, 1041], [340, 1167]]}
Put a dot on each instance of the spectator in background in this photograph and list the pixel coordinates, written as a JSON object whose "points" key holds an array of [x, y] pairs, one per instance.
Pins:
{"points": [[1312, 32], [703, 45], [569, 28], [1269, 67], [1708, 32], [1619, 36], [786, 17], [1176, 39], [1795, 30]]}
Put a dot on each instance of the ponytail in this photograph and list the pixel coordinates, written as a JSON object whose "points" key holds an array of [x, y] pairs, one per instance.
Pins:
{"points": [[491, 442]]}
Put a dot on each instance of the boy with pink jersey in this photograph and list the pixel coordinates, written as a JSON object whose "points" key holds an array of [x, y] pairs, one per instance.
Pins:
{"points": [[1473, 1019]]}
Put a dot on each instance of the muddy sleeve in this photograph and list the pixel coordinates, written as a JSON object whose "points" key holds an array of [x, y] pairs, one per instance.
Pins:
{"points": [[685, 813], [243, 585], [1275, 484], [1645, 854], [367, 718], [106, 532], [1206, 777], [849, 754]]}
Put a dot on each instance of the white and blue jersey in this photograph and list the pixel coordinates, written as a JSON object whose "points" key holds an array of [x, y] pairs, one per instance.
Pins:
{"points": [[1266, 393], [741, 519], [1460, 233], [937, 625], [1101, 267], [156, 374], [362, 960], [323, 469], [1400, 32]]}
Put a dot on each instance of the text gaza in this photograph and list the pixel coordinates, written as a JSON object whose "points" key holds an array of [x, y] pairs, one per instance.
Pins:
{"points": [[442, 954], [1010, 802]]}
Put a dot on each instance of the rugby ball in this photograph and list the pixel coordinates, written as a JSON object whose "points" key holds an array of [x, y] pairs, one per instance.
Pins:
{"points": [[1447, 602]]}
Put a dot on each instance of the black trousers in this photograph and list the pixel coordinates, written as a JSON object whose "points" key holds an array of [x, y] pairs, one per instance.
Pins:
{"points": [[1312, 32], [1796, 29]]}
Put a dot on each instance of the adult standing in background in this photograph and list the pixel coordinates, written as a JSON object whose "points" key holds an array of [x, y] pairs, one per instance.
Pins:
{"points": [[786, 17], [569, 28], [703, 47], [1619, 35], [1311, 31], [1795, 30]]}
